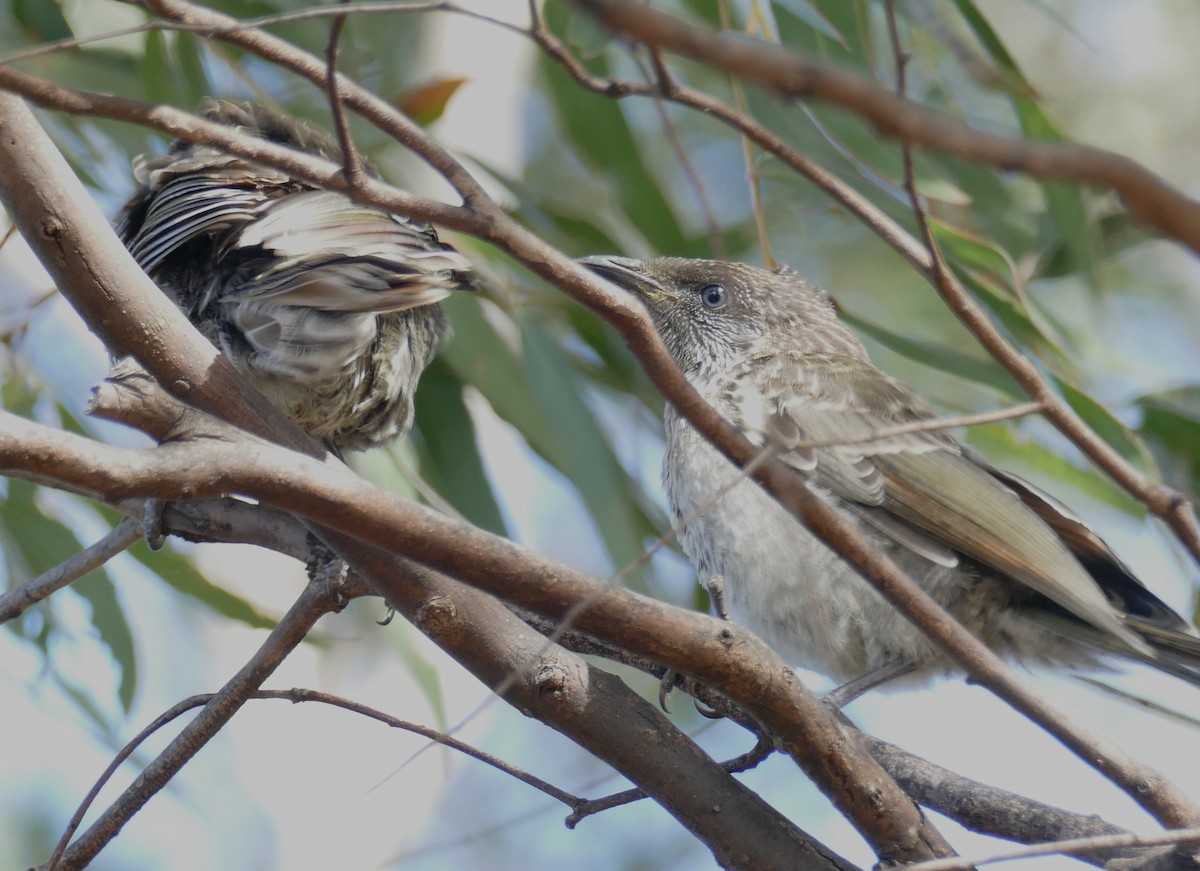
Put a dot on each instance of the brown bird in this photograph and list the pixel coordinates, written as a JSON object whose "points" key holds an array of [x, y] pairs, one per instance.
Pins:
{"points": [[1011, 563], [330, 308]]}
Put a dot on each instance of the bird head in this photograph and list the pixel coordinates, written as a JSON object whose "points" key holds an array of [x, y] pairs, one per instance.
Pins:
{"points": [[712, 313]]}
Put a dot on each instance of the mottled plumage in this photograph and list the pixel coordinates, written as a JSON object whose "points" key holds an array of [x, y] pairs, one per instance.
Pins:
{"points": [[1011, 563], [328, 307]]}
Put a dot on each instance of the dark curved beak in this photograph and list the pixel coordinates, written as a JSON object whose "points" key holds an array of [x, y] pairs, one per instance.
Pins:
{"points": [[629, 274]]}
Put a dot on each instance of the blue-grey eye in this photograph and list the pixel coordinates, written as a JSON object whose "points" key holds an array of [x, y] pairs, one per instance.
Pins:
{"points": [[714, 296]]}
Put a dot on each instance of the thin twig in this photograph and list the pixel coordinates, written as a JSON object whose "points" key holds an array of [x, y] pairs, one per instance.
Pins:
{"points": [[304, 695], [1147, 196], [670, 131], [351, 166], [16, 601], [1178, 837], [932, 425], [752, 757], [316, 601], [309, 14], [752, 177]]}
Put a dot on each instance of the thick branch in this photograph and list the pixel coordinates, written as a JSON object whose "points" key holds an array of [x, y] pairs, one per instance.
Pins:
{"points": [[715, 653], [631, 320], [976, 805], [864, 792]]}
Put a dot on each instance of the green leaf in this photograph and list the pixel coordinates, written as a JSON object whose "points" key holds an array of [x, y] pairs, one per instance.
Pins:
{"points": [[1120, 437], [109, 619], [982, 370], [977, 253], [189, 53], [586, 457], [42, 21], [177, 572], [596, 127], [36, 543], [1067, 218], [423, 673], [1171, 421], [479, 356], [814, 18], [159, 74], [180, 575], [452, 461]]}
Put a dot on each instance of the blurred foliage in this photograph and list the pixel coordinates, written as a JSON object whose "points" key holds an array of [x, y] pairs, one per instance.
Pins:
{"points": [[607, 175]]}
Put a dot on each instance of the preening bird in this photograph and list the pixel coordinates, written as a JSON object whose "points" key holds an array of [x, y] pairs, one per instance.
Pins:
{"points": [[1011, 563], [330, 308]]}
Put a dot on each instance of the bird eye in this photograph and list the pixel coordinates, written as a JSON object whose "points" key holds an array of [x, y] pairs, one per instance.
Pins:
{"points": [[714, 296]]}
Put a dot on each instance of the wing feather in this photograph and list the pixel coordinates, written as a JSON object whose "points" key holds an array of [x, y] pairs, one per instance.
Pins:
{"points": [[918, 487]]}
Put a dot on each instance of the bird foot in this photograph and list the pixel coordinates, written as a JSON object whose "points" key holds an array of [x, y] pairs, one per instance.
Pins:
{"points": [[715, 585], [326, 567], [152, 523], [852, 689]]}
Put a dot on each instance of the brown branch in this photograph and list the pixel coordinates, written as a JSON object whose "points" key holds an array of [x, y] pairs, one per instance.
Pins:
{"points": [[631, 320], [1148, 197], [975, 805], [351, 166], [992, 811], [1170, 505], [19, 599], [598, 712], [1082, 846], [715, 653], [316, 601], [979, 807], [898, 831], [353, 95]]}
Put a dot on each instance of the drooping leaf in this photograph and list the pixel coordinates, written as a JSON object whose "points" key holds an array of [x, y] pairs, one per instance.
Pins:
{"points": [[945, 359], [36, 543], [579, 443], [426, 103], [455, 467]]}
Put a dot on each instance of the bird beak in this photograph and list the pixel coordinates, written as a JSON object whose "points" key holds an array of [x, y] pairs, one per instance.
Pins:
{"points": [[629, 274]]}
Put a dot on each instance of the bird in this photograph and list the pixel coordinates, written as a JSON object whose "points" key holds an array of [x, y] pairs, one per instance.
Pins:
{"points": [[330, 308], [1010, 562]]}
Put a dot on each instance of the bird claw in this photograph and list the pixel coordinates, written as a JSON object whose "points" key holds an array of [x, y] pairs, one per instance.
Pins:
{"points": [[841, 696], [667, 685], [715, 585], [326, 567], [152, 523]]}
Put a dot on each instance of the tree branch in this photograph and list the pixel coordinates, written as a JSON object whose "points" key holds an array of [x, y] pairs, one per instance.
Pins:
{"points": [[1148, 197], [316, 601], [16, 601]]}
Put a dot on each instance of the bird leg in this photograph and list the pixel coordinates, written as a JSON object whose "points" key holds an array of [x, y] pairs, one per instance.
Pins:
{"points": [[864, 683], [715, 585], [327, 567], [152, 523]]}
